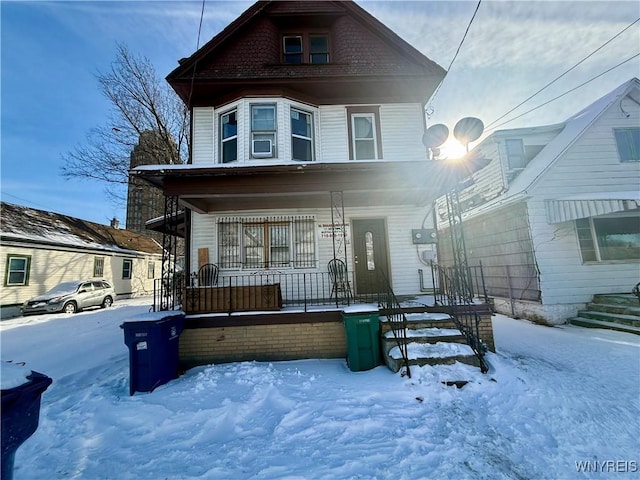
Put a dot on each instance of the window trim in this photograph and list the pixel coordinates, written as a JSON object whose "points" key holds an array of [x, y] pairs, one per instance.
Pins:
{"points": [[96, 261], [229, 139], [274, 132], [306, 55], [126, 261], [310, 139], [591, 244], [8, 271], [374, 111], [634, 150], [522, 158], [295, 238]]}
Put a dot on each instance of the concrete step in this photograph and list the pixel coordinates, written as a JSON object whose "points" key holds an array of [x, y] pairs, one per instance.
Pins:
{"points": [[593, 323], [428, 335], [440, 353], [421, 320], [618, 309], [618, 299], [629, 320]]}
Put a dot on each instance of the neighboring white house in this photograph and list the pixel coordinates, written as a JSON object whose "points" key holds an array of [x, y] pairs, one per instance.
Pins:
{"points": [[41, 249], [554, 217]]}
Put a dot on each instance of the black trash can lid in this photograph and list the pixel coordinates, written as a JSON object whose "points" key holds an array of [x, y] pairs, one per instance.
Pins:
{"points": [[13, 375]]}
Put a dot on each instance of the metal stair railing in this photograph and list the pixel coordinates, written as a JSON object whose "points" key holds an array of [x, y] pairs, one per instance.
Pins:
{"points": [[397, 320], [456, 294]]}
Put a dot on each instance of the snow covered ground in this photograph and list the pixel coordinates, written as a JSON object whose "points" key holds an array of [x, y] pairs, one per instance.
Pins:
{"points": [[556, 401]]}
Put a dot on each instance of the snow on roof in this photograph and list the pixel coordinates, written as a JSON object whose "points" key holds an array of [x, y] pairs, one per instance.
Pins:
{"points": [[37, 226], [573, 128]]}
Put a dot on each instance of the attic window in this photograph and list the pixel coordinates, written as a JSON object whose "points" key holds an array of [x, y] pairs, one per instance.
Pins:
{"points": [[305, 48], [515, 153], [628, 142]]}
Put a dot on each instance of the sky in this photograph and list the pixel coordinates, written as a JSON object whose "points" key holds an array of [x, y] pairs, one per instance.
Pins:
{"points": [[52, 51], [555, 401]]}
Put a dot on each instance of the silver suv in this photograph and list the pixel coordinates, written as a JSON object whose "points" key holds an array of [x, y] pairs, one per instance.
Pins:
{"points": [[71, 297]]}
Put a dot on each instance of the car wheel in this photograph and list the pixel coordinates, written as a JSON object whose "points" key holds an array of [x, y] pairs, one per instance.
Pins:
{"points": [[107, 302], [70, 307]]}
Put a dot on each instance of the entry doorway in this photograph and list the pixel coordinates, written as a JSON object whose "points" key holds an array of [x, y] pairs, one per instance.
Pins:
{"points": [[370, 255]]}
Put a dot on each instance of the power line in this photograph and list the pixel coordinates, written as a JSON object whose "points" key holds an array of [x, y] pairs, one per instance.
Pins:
{"points": [[457, 51], [565, 93], [566, 71]]}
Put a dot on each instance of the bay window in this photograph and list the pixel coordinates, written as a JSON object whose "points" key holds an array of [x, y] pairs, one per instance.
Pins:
{"points": [[263, 131], [301, 135], [229, 136]]}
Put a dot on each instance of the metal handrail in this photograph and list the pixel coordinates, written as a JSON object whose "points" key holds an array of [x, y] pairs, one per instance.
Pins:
{"points": [[397, 321]]}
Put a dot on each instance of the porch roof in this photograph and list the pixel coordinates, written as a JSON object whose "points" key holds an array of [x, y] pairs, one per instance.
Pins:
{"points": [[214, 188], [590, 205]]}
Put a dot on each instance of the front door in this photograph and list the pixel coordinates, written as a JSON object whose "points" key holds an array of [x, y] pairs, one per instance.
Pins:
{"points": [[370, 255]]}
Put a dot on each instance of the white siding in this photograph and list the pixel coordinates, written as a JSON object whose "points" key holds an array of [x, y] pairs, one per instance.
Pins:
{"points": [[203, 136], [402, 126], [50, 266], [588, 166], [404, 256]]}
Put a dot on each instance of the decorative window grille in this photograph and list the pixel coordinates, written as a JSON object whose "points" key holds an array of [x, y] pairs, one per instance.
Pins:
{"points": [[266, 242], [98, 266]]}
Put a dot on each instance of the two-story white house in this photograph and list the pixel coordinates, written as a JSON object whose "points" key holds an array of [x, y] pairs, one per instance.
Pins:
{"points": [[554, 217], [308, 119]]}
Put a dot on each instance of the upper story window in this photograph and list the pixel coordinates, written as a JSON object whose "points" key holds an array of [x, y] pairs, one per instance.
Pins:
{"points": [[229, 136], [263, 131], [628, 142], [364, 133], [305, 48], [301, 135], [515, 153], [17, 273]]}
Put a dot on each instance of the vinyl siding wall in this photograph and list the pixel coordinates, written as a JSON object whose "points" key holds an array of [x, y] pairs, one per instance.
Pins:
{"points": [[402, 126], [403, 255], [590, 165], [50, 266]]}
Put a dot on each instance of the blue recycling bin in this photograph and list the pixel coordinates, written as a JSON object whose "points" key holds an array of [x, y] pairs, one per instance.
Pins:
{"points": [[20, 417], [153, 351]]}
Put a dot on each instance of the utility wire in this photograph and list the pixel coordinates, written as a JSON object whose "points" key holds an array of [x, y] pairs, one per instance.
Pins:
{"points": [[457, 52], [565, 72], [195, 63], [565, 93]]}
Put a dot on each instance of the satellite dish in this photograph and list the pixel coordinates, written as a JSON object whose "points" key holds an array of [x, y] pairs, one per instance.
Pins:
{"points": [[435, 135], [468, 129]]}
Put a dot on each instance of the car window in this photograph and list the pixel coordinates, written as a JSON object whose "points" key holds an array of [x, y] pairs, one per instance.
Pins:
{"points": [[98, 285], [86, 286]]}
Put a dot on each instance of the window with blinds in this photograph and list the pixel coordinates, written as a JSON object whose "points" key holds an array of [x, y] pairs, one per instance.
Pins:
{"points": [[267, 242]]}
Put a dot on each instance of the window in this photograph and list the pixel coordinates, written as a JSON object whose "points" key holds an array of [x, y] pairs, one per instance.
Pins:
{"points": [[17, 270], [305, 48], [263, 131], [609, 238], [318, 49], [151, 270], [292, 49], [364, 133], [98, 266], [301, 135], [127, 268], [515, 153], [628, 142], [283, 242], [229, 136]]}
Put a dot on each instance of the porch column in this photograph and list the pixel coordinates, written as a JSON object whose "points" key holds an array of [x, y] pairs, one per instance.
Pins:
{"points": [[339, 237]]}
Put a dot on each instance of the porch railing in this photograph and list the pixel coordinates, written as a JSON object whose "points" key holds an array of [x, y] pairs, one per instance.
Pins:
{"points": [[397, 321], [257, 291], [457, 288]]}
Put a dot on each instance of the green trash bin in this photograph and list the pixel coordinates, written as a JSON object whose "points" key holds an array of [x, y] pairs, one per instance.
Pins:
{"points": [[363, 337]]}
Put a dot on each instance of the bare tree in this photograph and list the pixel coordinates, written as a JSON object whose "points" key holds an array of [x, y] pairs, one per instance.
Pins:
{"points": [[142, 103]]}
